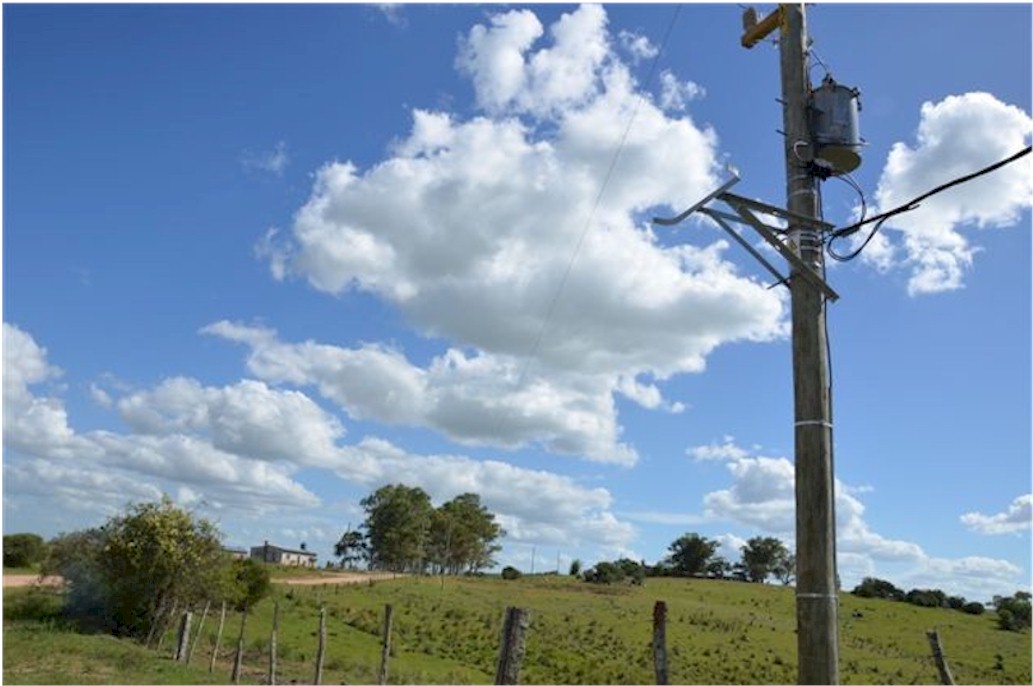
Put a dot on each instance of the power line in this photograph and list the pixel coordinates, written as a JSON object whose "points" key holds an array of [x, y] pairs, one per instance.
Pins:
{"points": [[913, 204], [595, 206]]}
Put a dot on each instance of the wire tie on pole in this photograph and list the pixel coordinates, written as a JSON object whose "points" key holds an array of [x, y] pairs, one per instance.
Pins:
{"points": [[818, 596], [814, 422]]}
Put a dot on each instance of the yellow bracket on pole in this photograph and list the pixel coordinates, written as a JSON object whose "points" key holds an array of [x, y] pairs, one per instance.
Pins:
{"points": [[754, 31]]}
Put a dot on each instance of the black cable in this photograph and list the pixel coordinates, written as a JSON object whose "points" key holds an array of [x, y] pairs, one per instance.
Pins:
{"points": [[849, 180], [846, 258], [913, 204]]}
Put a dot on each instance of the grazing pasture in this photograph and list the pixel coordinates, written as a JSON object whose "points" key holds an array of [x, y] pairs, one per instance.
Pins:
{"points": [[717, 632]]}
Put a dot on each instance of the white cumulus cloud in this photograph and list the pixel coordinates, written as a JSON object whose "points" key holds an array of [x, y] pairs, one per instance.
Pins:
{"points": [[956, 136], [1018, 517], [490, 233]]}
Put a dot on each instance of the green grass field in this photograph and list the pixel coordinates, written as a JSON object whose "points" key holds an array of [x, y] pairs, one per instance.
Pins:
{"points": [[718, 632]]}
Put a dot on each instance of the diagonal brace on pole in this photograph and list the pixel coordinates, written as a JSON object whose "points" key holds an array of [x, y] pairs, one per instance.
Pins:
{"points": [[745, 208], [785, 251]]}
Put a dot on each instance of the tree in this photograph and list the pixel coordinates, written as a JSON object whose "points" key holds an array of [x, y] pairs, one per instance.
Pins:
{"points": [[398, 521], [871, 587], [251, 583], [511, 573], [926, 597], [604, 573], [690, 554], [761, 556], [575, 568], [126, 574], [24, 550], [1013, 613], [974, 608], [462, 535], [350, 548], [785, 570]]}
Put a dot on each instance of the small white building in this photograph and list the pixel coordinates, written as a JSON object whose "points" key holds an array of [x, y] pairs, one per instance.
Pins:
{"points": [[274, 554]]}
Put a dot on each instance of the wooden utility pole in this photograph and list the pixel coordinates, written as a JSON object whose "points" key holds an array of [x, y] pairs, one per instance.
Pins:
{"points": [[816, 597]]}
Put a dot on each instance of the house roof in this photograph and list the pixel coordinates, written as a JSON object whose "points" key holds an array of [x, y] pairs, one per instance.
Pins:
{"points": [[286, 550]]}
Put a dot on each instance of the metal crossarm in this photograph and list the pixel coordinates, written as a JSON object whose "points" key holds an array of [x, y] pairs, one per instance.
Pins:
{"points": [[745, 209], [785, 251]]}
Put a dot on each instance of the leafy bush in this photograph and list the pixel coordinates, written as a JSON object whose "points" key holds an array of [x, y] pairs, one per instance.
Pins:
{"points": [[511, 573], [23, 550], [870, 587], [973, 608], [125, 575], [1013, 613]]}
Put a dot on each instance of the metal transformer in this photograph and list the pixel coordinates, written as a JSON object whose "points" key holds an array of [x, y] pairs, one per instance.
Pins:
{"points": [[834, 126]]}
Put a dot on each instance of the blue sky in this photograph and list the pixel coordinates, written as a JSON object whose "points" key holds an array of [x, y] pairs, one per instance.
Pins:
{"points": [[268, 258]]}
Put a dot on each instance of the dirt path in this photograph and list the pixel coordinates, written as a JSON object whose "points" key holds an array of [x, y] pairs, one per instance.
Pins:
{"points": [[31, 580], [17, 580], [342, 578]]}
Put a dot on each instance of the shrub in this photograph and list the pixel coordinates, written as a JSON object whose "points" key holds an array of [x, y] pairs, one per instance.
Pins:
{"points": [[511, 573], [23, 550], [125, 575], [973, 608]]}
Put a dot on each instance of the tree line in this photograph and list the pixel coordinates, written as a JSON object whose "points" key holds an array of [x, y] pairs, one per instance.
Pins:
{"points": [[1013, 612], [403, 532], [693, 555]]}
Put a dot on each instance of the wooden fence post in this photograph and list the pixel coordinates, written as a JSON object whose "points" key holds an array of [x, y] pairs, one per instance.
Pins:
{"points": [[272, 643], [218, 638], [183, 636], [511, 652], [239, 659], [941, 660], [200, 628], [321, 650], [385, 653], [660, 641], [163, 629]]}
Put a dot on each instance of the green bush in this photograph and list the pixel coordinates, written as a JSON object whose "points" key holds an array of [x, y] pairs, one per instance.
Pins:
{"points": [[126, 575], [23, 550], [511, 573], [973, 608]]}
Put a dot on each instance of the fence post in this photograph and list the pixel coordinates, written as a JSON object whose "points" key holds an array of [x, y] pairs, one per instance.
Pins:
{"points": [[321, 650], [660, 641], [239, 659], [183, 636], [197, 635], [385, 653], [940, 658], [163, 629], [511, 652], [218, 638], [272, 643], [156, 620]]}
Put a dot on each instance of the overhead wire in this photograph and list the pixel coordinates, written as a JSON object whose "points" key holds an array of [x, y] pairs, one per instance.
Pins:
{"points": [[536, 346], [910, 205]]}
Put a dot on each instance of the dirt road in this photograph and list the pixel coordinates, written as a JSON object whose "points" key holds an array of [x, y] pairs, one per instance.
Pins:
{"points": [[15, 580], [31, 580], [342, 578]]}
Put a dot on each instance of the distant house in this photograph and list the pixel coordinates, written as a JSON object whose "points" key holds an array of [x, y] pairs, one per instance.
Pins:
{"points": [[236, 553], [274, 554]]}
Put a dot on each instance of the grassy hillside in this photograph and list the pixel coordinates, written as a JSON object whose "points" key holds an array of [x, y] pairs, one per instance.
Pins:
{"points": [[718, 632]]}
